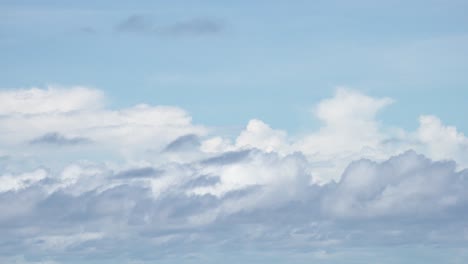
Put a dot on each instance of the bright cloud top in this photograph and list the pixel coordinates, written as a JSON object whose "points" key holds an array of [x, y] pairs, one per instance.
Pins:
{"points": [[81, 179]]}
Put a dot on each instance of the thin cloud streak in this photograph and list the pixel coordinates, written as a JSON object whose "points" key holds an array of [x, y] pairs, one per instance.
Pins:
{"points": [[141, 24]]}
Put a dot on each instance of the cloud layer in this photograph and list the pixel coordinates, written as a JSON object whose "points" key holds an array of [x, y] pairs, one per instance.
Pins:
{"points": [[81, 182]]}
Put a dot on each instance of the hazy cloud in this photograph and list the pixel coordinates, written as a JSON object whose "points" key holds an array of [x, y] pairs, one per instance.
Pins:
{"points": [[193, 27], [88, 30], [136, 23], [199, 26]]}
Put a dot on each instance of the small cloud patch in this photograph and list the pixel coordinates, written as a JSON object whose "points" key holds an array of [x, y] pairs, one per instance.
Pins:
{"points": [[142, 24]]}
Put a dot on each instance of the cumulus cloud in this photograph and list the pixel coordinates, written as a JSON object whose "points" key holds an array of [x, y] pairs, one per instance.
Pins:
{"points": [[349, 124], [407, 184], [259, 135], [441, 141], [78, 115], [262, 199], [154, 179]]}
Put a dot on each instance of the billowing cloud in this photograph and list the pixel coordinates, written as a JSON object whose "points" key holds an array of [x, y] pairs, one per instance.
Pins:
{"points": [[152, 184], [76, 115], [259, 135], [407, 184], [349, 123], [441, 141], [261, 199]]}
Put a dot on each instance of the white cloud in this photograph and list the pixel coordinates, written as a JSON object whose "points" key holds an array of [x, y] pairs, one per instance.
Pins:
{"points": [[442, 142], [51, 100], [85, 206], [148, 174], [216, 145], [76, 113], [349, 131], [349, 124], [270, 172], [259, 135]]}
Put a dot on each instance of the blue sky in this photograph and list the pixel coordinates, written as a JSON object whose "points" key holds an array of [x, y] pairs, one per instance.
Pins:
{"points": [[237, 131], [275, 58]]}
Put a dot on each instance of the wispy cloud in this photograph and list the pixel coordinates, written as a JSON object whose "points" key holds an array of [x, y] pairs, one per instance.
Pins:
{"points": [[88, 30], [142, 24], [136, 23], [198, 26]]}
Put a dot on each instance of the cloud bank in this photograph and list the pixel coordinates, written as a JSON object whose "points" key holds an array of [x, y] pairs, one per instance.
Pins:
{"points": [[149, 184]]}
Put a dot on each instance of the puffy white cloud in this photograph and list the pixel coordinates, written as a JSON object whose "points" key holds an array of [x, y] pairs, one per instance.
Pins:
{"points": [[442, 142], [349, 124], [349, 131], [262, 176], [148, 176], [259, 135], [75, 115]]}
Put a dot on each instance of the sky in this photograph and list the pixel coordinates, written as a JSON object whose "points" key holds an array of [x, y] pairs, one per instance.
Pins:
{"points": [[234, 131]]}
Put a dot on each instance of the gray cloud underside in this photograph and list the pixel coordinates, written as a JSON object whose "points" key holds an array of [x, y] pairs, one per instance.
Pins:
{"points": [[54, 138], [228, 158], [153, 185], [182, 143], [407, 199], [146, 172]]}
